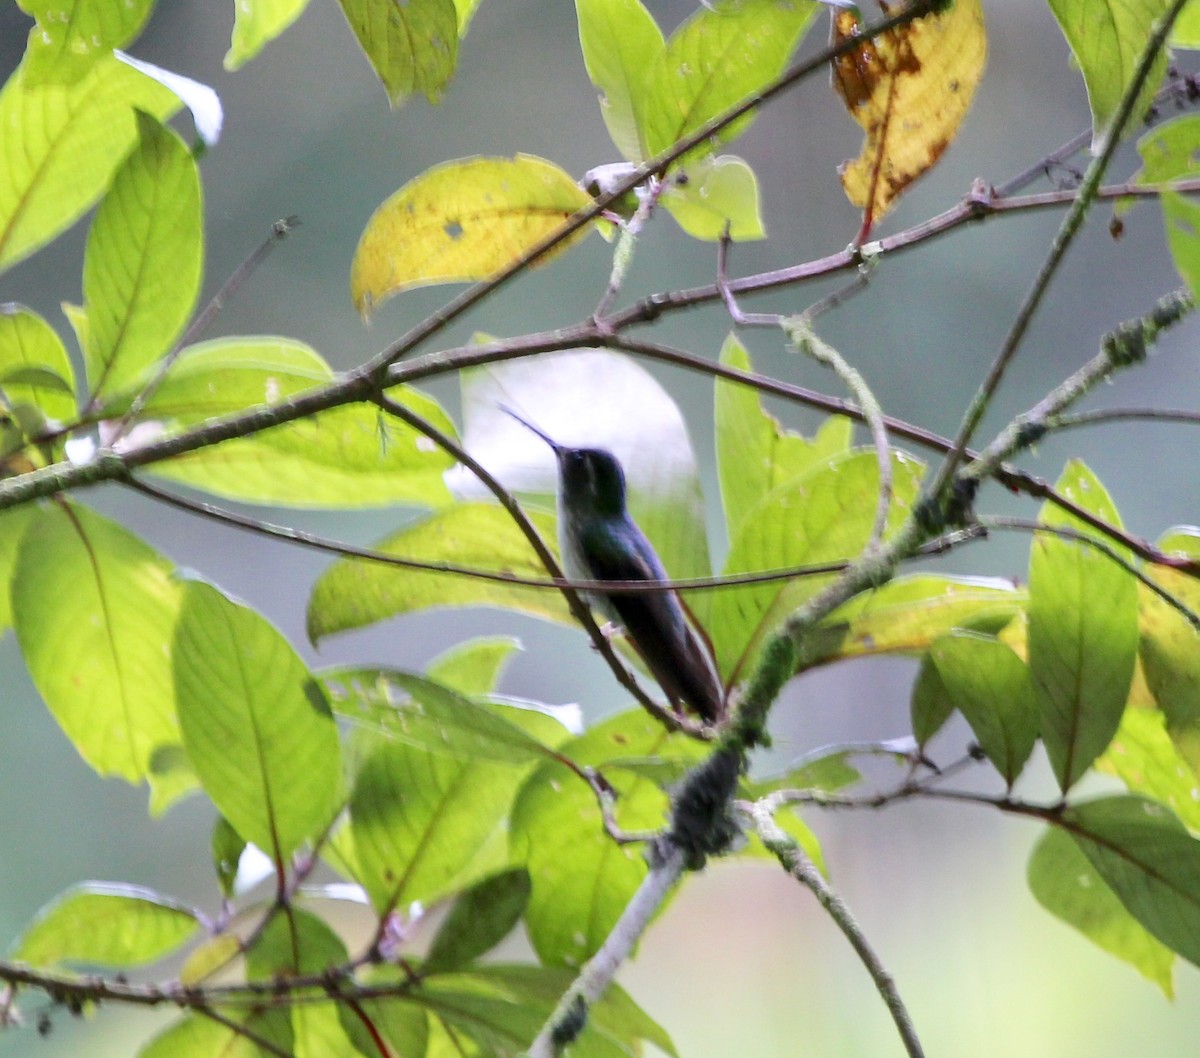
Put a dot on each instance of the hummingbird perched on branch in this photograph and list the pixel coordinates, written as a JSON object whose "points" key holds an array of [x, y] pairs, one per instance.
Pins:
{"points": [[598, 540]]}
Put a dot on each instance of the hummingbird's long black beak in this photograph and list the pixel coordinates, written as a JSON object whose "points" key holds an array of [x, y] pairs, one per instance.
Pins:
{"points": [[529, 426]]}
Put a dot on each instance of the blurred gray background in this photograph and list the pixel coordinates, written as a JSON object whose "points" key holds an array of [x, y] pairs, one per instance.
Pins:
{"points": [[939, 890]]}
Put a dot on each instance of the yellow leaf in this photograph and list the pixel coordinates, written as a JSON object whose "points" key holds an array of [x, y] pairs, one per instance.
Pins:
{"points": [[909, 89], [462, 221], [210, 957]]}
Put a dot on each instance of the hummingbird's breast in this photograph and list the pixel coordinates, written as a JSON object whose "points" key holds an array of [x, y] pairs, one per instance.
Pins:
{"points": [[575, 562]]}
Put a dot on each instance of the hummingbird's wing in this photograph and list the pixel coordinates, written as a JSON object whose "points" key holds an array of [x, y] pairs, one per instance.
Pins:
{"points": [[673, 651]]}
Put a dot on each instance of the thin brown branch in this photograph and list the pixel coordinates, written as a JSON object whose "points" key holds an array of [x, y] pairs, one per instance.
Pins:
{"points": [[360, 384], [1071, 225], [1105, 416], [1178, 89], [1010, 477], [1066, 532], [203, 320], [247, 1033], [377, 367], [300, 537], [979, 204], [372, 1029]]}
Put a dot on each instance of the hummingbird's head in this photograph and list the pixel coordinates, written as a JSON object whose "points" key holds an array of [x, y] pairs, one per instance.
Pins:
{"points": [[591, 480]]}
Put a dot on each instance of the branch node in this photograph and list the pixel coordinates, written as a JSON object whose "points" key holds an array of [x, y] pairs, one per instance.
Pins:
{"points": [[702, 820], [567, 1030]]}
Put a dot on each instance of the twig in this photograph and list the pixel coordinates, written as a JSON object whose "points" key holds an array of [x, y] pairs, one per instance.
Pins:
{"points": [[795, 861], [802, 336], [377, 367], [279, 231], [742, 319], [1124, 346], [303, 538], [1066, 532], [606, 801], [1070, 227], [244, 1031], [570, 1015], [360, 384], [626, 244], [1103, 416], [979, 204], [371, 1028], [1171, 90]]}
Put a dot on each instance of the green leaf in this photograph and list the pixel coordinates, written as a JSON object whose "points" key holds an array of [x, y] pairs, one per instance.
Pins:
{"points": [[346, 457], [13, 523], [34, 365], [71, 35], [1144, 757], [992, 688], [142, 266], [227, 848], [171, 777], [255, 724], [480, 919], [1083, 632], [94, 609], [1067, 885], [466, 11], [352, 593], [931, 704], [825, 514], [620, 41], [435, 719], [1107, 38], [295, 942], [461, 221], [755, 452], [716, 59], [1186, 31], [1169, 153], [194, 1036], [109, 925], [402, 1023], [597, 399], [473, 667], [62, 144], [413, 47], [1149, 860], [256, 23], [558, 833], [720, 197], [501, 1008], [827, 772], [320, 1032], [908, 613], [420, 820], [78, 320]]}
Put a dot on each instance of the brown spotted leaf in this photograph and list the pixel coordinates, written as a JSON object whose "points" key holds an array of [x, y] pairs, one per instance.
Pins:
{"points": [[909, 89]]}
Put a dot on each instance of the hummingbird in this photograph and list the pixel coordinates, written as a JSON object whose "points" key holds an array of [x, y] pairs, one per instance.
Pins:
{"points": [[598, 540]]}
